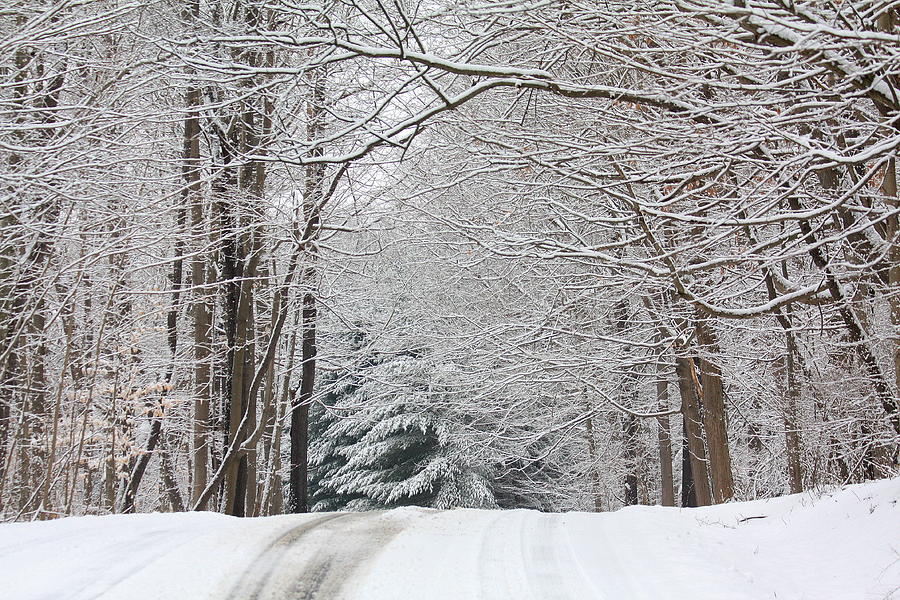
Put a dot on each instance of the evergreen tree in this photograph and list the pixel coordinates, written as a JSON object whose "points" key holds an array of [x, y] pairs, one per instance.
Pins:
{"points": [[382, 438]]}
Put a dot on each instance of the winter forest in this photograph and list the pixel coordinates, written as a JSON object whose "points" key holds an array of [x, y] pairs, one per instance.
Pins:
{"points": [[262, 257]]}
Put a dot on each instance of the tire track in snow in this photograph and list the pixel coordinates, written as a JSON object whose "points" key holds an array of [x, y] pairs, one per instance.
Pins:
{"points": [[496, 580], [346, 556], [261, 570], [519, 558], [317, 560], [547, 574], [126, 560]]}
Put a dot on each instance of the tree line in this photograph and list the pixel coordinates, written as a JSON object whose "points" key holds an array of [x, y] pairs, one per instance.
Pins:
{"points": [[262, 257]]}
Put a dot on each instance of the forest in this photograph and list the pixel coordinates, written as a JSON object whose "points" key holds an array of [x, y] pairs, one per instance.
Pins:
{"points": [[262, 256]]}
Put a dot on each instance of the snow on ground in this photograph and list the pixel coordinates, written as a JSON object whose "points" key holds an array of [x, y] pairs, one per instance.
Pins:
{"points": [[835, 545]]}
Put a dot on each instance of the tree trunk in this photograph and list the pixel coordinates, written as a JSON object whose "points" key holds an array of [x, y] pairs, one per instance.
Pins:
{"points": [[791, 432], [688, 491], [250, 472], [200, 307], [167, 474], [299, 478], [236, 474], [690, 410], [889, 189], [714, 416], [630, 440], [275, 504], [270, 419], [313, 198]]}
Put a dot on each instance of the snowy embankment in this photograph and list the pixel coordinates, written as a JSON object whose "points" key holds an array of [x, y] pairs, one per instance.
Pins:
{"points": [[837, 545]]}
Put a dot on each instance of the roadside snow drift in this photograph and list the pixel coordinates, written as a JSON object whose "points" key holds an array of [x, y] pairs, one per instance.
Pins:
{"points": [[837, 545]]}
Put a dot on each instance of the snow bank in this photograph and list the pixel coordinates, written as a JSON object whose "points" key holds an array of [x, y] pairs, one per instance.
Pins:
{"points": [[836, 545], [175, 556], [833, 545]]}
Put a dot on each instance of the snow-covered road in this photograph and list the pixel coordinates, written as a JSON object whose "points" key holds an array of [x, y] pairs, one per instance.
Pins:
{"points": [[841, 545]]}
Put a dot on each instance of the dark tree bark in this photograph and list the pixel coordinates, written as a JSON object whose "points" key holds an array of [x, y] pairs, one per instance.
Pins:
{"points": [[191, 171], [792, 433], [314, 198], [690, 410], [714, 417], [299, 474], [688, 492], [630, 430]]}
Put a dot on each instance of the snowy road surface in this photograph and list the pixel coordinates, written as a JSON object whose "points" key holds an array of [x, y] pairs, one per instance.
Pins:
{"points": [[839, 545]]}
